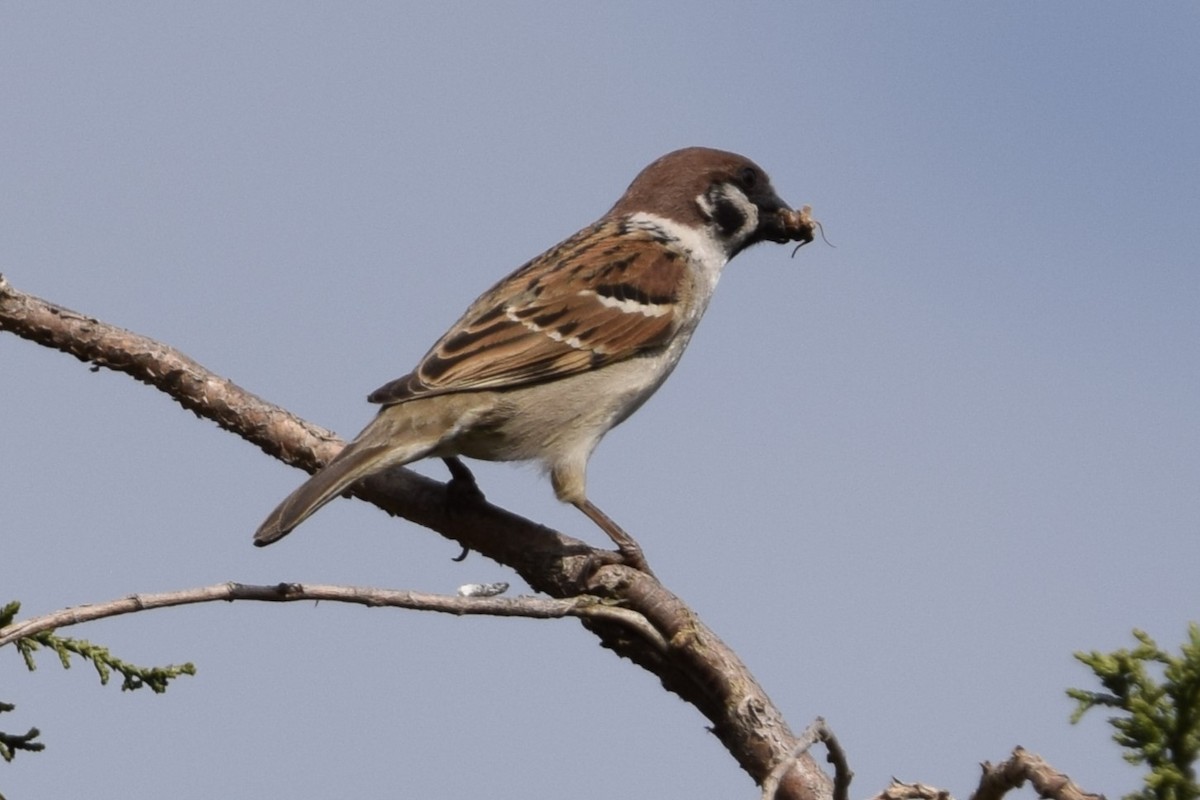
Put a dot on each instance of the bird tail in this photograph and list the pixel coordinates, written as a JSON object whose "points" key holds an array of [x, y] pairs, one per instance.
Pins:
{"points": [[400, 433], [390, 440], [351, 465]]}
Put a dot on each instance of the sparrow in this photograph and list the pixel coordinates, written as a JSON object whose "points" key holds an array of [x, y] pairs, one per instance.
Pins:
{"points": [[555, 355]]}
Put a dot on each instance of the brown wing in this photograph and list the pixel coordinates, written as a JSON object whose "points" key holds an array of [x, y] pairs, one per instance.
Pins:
{"points": [[605, 294]]}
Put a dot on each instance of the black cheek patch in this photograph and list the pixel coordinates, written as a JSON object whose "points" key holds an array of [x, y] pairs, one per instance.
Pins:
{"points": [[728, 217]]}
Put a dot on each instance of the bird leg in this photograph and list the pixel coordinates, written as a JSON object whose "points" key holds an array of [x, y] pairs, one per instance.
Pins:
{"points": [[461, 490], [629, 549], [462, 487]]}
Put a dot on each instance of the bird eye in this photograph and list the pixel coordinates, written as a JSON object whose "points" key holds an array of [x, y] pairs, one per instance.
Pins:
{"points": [[748, 177]]}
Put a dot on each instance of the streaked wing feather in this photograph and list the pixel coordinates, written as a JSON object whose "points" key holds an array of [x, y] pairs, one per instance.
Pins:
{"points": [[572, 309]]}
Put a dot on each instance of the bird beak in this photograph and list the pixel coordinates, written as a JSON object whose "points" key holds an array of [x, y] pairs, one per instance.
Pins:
{"points": [[779, 222]]}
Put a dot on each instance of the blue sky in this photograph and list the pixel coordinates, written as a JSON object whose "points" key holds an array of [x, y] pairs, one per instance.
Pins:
{"points": [[905, 477]]}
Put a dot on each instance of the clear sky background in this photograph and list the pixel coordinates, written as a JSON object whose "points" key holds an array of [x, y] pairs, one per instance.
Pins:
{"points": [[905, 478]]}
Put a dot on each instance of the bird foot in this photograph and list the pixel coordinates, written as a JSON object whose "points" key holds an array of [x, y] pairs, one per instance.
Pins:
{"points": [[461, 489], [633, 557]]}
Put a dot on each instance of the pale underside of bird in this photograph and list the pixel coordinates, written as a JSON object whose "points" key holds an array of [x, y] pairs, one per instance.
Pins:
{"points": [[555, 355]]}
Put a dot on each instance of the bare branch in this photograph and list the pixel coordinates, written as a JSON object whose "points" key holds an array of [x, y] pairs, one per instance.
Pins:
{"points": [[818, 731], [277, 431], [899, 790], [999, 779], [583, 606], [688, 658], [807, 738], [842, 774]]}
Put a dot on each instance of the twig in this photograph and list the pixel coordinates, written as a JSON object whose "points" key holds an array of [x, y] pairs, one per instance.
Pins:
{"points": [[898, 790], [818, 731], [533, 607], [842, 774], [999, 779]]}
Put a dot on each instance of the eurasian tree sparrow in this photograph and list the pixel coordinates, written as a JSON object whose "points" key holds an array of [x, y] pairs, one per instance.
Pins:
{"points": [[552, 357]]}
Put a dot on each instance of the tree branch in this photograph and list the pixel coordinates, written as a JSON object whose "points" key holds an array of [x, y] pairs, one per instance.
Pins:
{"points": [[899, 790], [818, 731], [997, 780], [582, 606], [694, 663]]}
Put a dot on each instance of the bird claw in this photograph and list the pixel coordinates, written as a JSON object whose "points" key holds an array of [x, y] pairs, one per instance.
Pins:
{"points": [[634, 558], [461, 491]]}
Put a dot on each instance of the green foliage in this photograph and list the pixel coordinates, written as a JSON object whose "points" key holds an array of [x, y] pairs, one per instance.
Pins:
{"points": [[133, 676], [1159, 720], [10, 743], [104, 662]]}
